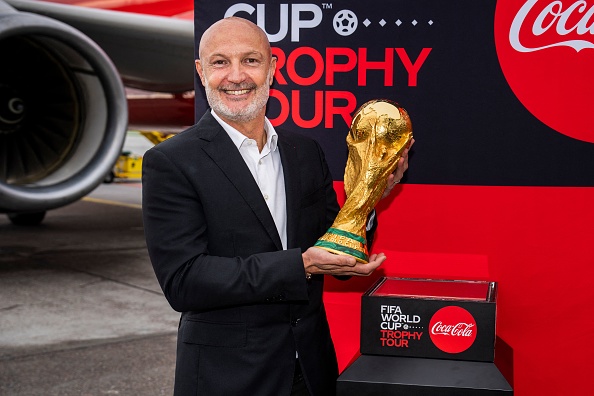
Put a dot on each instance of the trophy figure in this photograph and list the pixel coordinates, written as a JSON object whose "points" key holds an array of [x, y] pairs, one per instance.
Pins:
{"points": [[379, 133]]}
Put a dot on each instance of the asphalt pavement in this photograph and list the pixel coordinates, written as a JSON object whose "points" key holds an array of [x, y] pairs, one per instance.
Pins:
{"points": [[81, 312]]}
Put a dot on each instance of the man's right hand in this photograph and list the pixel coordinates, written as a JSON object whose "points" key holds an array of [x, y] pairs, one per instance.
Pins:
{"points": [[320, 261]]}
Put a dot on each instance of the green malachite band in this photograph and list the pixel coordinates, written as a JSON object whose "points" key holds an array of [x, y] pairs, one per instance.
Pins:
{"points": [[344, 249], [347, 234]]}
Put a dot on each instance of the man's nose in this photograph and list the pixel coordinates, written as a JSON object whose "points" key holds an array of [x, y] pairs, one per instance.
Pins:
{"points": [[236, 73]]}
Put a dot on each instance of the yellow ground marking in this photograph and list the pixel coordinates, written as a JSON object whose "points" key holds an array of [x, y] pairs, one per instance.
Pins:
{"points": [[115, 203]]}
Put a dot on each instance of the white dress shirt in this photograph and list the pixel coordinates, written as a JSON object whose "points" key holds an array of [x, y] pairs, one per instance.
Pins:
{"points": [[267, 170]]}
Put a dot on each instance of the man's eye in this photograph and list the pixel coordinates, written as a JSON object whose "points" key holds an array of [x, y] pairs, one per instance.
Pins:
{"points": [[219, 63], [251, 61]]}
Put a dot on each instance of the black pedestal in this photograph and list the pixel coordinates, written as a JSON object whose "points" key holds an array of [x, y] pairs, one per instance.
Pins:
{"points": [[425, 337], [390, 375]]}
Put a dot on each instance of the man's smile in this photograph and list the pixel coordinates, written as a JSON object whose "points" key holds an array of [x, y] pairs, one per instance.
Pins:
{"points": [[236, 92]]}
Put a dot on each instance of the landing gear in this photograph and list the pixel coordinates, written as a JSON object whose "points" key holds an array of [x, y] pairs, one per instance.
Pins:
{"points": [[26, 219], [109, 177]]}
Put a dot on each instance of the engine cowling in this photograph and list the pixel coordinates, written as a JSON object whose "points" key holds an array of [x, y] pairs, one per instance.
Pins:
{"points": [[63, 113]]}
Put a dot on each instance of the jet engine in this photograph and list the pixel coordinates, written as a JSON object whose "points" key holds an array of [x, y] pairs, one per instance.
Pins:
{"points": [[63, 115]]}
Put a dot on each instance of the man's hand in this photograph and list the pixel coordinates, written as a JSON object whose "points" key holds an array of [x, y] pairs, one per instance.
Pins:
{"points": [[397, 175], [320, 261]]}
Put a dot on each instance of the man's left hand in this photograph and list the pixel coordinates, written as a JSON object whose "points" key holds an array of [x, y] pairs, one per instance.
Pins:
{"points": [[397, 175]]}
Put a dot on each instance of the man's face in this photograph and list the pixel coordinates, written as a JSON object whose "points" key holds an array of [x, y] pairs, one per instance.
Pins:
{"points": [[236, 70]]}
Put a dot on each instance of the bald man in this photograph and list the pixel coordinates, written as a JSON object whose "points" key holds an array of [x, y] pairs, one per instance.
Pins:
{"points": [[232, 208]]}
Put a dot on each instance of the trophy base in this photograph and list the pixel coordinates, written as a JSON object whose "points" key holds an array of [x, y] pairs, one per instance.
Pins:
{"points": [[344, 242]]}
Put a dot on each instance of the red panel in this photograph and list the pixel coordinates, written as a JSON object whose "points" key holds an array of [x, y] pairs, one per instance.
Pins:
{"points": [[179, 8], [536, 242]]}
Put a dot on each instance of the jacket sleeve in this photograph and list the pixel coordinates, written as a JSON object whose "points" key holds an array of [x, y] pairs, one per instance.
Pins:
{"points": [[191, 278]]}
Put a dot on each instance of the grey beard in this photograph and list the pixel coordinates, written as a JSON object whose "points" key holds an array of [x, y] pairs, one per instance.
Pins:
{"points": [[248, 113]]}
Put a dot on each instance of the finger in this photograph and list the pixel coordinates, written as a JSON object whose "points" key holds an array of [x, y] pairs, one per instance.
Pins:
{"points": [[412, 141], [362, 269], [334, 268], [405, 155], [375, 260], [371, 266], [366, 269], [320, 261], [403, 167], [399, 172], [325, 257], [331, 260], [359, 269], [376, 256], [407, 150], [389, 185]]}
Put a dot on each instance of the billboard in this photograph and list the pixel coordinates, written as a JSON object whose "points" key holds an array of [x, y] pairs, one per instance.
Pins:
{"points": [[500, 180], [499, 93]]}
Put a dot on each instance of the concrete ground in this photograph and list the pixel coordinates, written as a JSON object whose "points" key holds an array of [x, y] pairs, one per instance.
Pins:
{"points": [[81, 312]]}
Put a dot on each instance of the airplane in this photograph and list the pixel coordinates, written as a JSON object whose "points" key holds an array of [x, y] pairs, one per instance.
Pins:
{"points": [[75, 76]]}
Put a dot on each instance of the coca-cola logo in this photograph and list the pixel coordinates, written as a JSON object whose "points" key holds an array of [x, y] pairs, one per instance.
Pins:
{"points": [[452, 329], [555, 24], [546, 52]]}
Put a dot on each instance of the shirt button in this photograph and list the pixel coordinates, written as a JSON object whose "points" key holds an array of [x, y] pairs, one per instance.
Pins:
{"points": [[260, 162], [294, 322], [266, 197]]}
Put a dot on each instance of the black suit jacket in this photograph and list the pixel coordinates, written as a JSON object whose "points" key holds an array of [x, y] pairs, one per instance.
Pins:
{"points": [[246, 305]]}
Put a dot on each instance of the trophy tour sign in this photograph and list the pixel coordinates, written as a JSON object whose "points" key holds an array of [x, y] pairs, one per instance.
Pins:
{"points": [[495, 88], [429, 319]]}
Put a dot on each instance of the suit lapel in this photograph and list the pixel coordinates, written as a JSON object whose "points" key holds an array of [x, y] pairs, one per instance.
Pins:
{"points": [[290, 162], [224, 153]]}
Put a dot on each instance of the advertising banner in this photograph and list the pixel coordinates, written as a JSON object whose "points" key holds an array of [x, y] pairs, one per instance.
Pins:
{"points": [[499, 93], [499, 187], [429, 319]]}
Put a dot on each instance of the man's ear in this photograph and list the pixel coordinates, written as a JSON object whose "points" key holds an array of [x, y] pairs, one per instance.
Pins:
{"points": [[200, 70]]}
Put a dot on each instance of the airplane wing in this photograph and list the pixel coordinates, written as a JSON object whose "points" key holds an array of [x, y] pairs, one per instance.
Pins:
{"points": [[63, 108]]}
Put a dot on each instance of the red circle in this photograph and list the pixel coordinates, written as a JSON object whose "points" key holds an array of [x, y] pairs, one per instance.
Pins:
{"points": [[452, 329], [546, 54]]}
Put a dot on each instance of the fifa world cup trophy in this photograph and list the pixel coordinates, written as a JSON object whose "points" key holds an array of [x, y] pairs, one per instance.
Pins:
{"points": [[379, 133]]}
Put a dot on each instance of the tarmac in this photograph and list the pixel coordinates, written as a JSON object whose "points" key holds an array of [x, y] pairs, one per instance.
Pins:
{"points": [[81, 312]]}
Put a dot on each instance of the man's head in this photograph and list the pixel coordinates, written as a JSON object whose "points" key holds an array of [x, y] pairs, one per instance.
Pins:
{"points": [[236, 68]]}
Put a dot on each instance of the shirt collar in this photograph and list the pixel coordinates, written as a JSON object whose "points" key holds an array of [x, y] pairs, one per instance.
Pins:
{"points": [[238, 138]]}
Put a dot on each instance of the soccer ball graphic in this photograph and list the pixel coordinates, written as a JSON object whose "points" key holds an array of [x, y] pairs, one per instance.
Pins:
{"points": [[345, 22]]}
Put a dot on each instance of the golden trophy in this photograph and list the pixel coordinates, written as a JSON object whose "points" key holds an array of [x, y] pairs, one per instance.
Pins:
{"points": [[379, 133]]}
